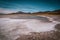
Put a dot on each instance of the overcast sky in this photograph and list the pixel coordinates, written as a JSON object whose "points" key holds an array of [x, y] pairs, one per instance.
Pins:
{"points": [[7, 6]]}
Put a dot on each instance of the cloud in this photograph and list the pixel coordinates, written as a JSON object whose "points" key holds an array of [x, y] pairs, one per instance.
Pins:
{"points": [[6, 11]]}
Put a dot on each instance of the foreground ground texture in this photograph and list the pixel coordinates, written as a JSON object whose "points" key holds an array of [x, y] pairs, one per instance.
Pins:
{"points": [[30, 28]]}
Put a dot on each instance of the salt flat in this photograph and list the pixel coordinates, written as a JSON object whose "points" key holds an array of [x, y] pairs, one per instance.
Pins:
{"points": [[13, 28]]}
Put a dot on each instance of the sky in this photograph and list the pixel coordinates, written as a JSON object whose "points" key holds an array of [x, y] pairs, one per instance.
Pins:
{"points": [[8, 6]]}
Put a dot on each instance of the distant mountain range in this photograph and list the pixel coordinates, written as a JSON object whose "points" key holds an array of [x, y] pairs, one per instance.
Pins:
{"points": [[45, 12]]}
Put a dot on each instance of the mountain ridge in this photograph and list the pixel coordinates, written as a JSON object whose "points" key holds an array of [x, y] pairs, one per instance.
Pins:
{"points": [[56, 12]]}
